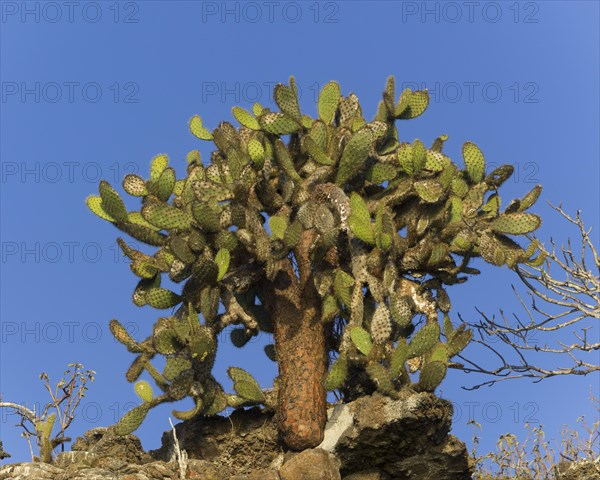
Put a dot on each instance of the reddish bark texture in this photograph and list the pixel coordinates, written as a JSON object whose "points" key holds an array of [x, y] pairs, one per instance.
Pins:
{"points": [[301, 350]]}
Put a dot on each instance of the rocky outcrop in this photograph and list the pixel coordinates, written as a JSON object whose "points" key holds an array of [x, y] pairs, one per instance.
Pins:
{"points": [[372, 438], [578, 470], [401, 439]]}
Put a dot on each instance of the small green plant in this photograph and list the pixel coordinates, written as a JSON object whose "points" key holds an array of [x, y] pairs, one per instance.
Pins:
{"points": [[341, 241], [65, 399]]}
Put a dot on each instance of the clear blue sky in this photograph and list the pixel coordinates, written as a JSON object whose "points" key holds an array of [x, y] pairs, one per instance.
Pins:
{"points": [[94, 90]]}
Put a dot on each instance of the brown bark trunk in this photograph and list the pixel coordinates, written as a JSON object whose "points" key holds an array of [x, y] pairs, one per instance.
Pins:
{"points": [[301, 351]]}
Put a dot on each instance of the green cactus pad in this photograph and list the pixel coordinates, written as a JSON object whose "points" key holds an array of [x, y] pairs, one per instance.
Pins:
{"points": [[194, 156], [136, 368], [218, 405], [250, 391], [424, 339], [324, 220], [438, 143], [319, 134], [164, 336], [459, 341], [122, 335], [245, 118], [189, 414], [44, 427], [278, 123], [354, 155], [132, 420], [180, 386], [429, 191], [328, 102], [431, 376], [342, 286], [222, 259], [443, 300], [181, 250], [158, 165], [337, 374], [284, 158], [287, 101], [382, 378], [202, 345], [516, 223], [174, 367], [198, 130], [499, 175], [143, 234], [381, 324], [381, 172], [401, 310], [278, 225], [412, 104], [134, 185], [435, 161], [439, 353], [360, 219], [206, 271], [292, 234], [361, 339], [492, 206], [474, 162], [448, 327], [137, 219], [94, 203], [207, 217], [245, 385], [257, 109], [205, 191], [162, 298], [399, 358], [439, 254], [316, 152], [329, 308], [256, 152], [459, 187], [528, 200], [165, 216], [144, 391], [419, 157], [112, 203], [165, 184]]}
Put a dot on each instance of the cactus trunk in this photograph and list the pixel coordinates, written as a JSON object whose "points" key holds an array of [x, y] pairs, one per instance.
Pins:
{"points": [[301, 350]]}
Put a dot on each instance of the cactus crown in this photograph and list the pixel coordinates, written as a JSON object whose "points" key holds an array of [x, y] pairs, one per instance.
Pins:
{"points": [[395, 223]]}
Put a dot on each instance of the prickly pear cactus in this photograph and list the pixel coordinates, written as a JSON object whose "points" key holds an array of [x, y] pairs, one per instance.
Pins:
{"points": [[340, 240]]}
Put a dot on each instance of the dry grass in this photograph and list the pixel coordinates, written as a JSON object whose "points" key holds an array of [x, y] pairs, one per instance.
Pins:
{"points": [[535, 458]]}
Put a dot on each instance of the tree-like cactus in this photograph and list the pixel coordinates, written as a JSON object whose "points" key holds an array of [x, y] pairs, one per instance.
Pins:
{"points": [[336, 241]]}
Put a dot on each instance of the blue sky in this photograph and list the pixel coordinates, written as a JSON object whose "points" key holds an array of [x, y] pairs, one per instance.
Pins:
{"points": [[94, 90]]}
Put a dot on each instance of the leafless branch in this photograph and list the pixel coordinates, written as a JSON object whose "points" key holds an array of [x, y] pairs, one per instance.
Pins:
{"points": [[564, 293]]}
